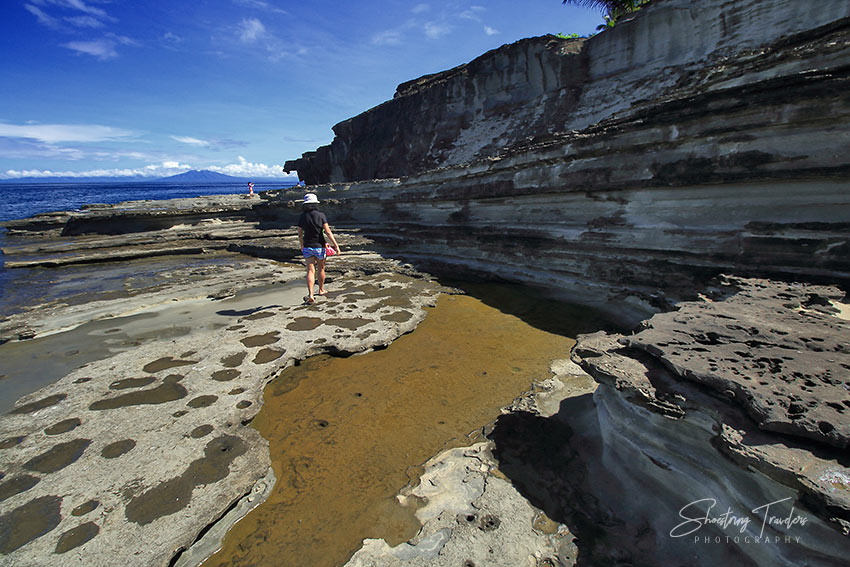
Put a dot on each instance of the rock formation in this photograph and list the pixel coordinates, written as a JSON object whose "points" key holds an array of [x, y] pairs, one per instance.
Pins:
{"points": [[547, 85], [703, 139], [741, 398], [624, 171], [521, 90], [138, 380]]}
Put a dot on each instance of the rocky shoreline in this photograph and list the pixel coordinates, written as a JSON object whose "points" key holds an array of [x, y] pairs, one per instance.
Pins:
{"points": [[687, 141], [742, 398], [750, 380], [659, 463], [690, 178], [149, 439]]}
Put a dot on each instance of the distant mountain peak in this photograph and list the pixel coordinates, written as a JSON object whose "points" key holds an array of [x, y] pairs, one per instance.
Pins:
{"points": [[203, 176]]}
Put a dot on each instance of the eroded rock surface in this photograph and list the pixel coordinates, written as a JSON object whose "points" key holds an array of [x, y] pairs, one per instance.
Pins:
{"points": [[747, 359], [142, 438], [780, 351], [498, 100]]}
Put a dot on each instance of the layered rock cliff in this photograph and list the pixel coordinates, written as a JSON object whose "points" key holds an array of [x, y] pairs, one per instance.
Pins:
{"points": [[547, 85], [499, 99], [705, 138], [691, 140]]}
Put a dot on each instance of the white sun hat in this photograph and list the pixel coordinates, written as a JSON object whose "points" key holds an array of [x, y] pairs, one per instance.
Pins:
{"points": [[310, 198]]}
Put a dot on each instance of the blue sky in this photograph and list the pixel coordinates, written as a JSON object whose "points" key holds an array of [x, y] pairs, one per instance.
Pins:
{"points": [[134, 87]]}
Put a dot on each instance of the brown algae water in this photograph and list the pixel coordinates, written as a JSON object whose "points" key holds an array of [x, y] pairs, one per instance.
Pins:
{"points": [[347, 434]]}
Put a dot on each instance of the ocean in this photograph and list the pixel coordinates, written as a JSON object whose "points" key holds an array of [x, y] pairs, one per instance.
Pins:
{"points": [[22, 200]]}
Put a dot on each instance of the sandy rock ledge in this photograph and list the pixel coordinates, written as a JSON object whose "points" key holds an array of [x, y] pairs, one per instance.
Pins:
{"points": [[130, 457]]}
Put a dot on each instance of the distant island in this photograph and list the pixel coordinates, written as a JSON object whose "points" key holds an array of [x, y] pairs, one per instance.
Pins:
{"points": [[193, 176], [202, 176]]}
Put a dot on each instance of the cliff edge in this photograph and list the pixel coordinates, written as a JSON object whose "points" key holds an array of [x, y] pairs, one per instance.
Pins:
{"points": [[623, 171]]}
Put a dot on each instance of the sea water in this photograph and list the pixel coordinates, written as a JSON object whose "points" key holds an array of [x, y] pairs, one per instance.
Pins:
{"points": [[23, 200]]}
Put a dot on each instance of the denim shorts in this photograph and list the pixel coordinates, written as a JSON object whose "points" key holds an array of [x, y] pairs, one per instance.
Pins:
{"points": [[316, 252]]}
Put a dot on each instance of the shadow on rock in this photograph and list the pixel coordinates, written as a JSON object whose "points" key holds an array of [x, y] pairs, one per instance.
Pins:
{"points": [[545, 461], [557, 463]]}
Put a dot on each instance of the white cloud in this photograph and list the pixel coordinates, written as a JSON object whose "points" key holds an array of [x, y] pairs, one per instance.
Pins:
{"points": [[91, 17], [117, 172], [251, 29], [43, 18], [85, 22], [169, 165], [473, 13], [80, 15], [103, 49], [122, 39], [82, 7], [25, 148], [243, 168], [53, 133], [189, 140], [260, 5], [389, 37], [490, 31], [436, 30], [420, 8], [170, 41]]}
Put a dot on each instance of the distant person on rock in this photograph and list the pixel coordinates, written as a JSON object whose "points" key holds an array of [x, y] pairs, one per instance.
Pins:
{"points": [[312, 227]]}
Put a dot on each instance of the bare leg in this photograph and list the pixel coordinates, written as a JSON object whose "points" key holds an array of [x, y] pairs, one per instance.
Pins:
{"points": [[321, 264], [311, 277]]}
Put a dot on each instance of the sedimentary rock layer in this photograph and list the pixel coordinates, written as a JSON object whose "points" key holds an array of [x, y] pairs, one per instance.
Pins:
{"points": [[471, 514], [132, 454], [707, 138], [548, 85], [137, 216], [140, 377], [499, 99]]}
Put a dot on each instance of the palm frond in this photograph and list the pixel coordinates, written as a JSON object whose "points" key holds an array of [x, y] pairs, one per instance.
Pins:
{"points": [[612, 8], [593, 4]]}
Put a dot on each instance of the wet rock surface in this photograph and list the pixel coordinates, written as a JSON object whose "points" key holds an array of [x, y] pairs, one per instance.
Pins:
{"points": [[144, 334], [363, 431], [140, 432], [471, 512]]}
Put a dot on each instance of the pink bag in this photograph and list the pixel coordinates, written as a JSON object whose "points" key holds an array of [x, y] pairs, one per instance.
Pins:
{"points": [[329, 251]]}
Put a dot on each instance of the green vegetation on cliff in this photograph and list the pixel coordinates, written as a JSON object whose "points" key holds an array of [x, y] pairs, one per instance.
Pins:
{"points": [[614, 9]]}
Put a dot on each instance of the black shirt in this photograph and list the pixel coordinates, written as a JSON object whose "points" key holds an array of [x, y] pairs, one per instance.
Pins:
{"points": [[312, 223]]}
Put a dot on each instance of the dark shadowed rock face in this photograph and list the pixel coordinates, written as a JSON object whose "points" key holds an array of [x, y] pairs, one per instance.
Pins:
{"points": [[688, 141], [472, 111], [540, 87], [765, 363]]}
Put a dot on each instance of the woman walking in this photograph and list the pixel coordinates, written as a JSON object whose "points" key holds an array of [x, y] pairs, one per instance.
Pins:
{"points": [[312, 227]]}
